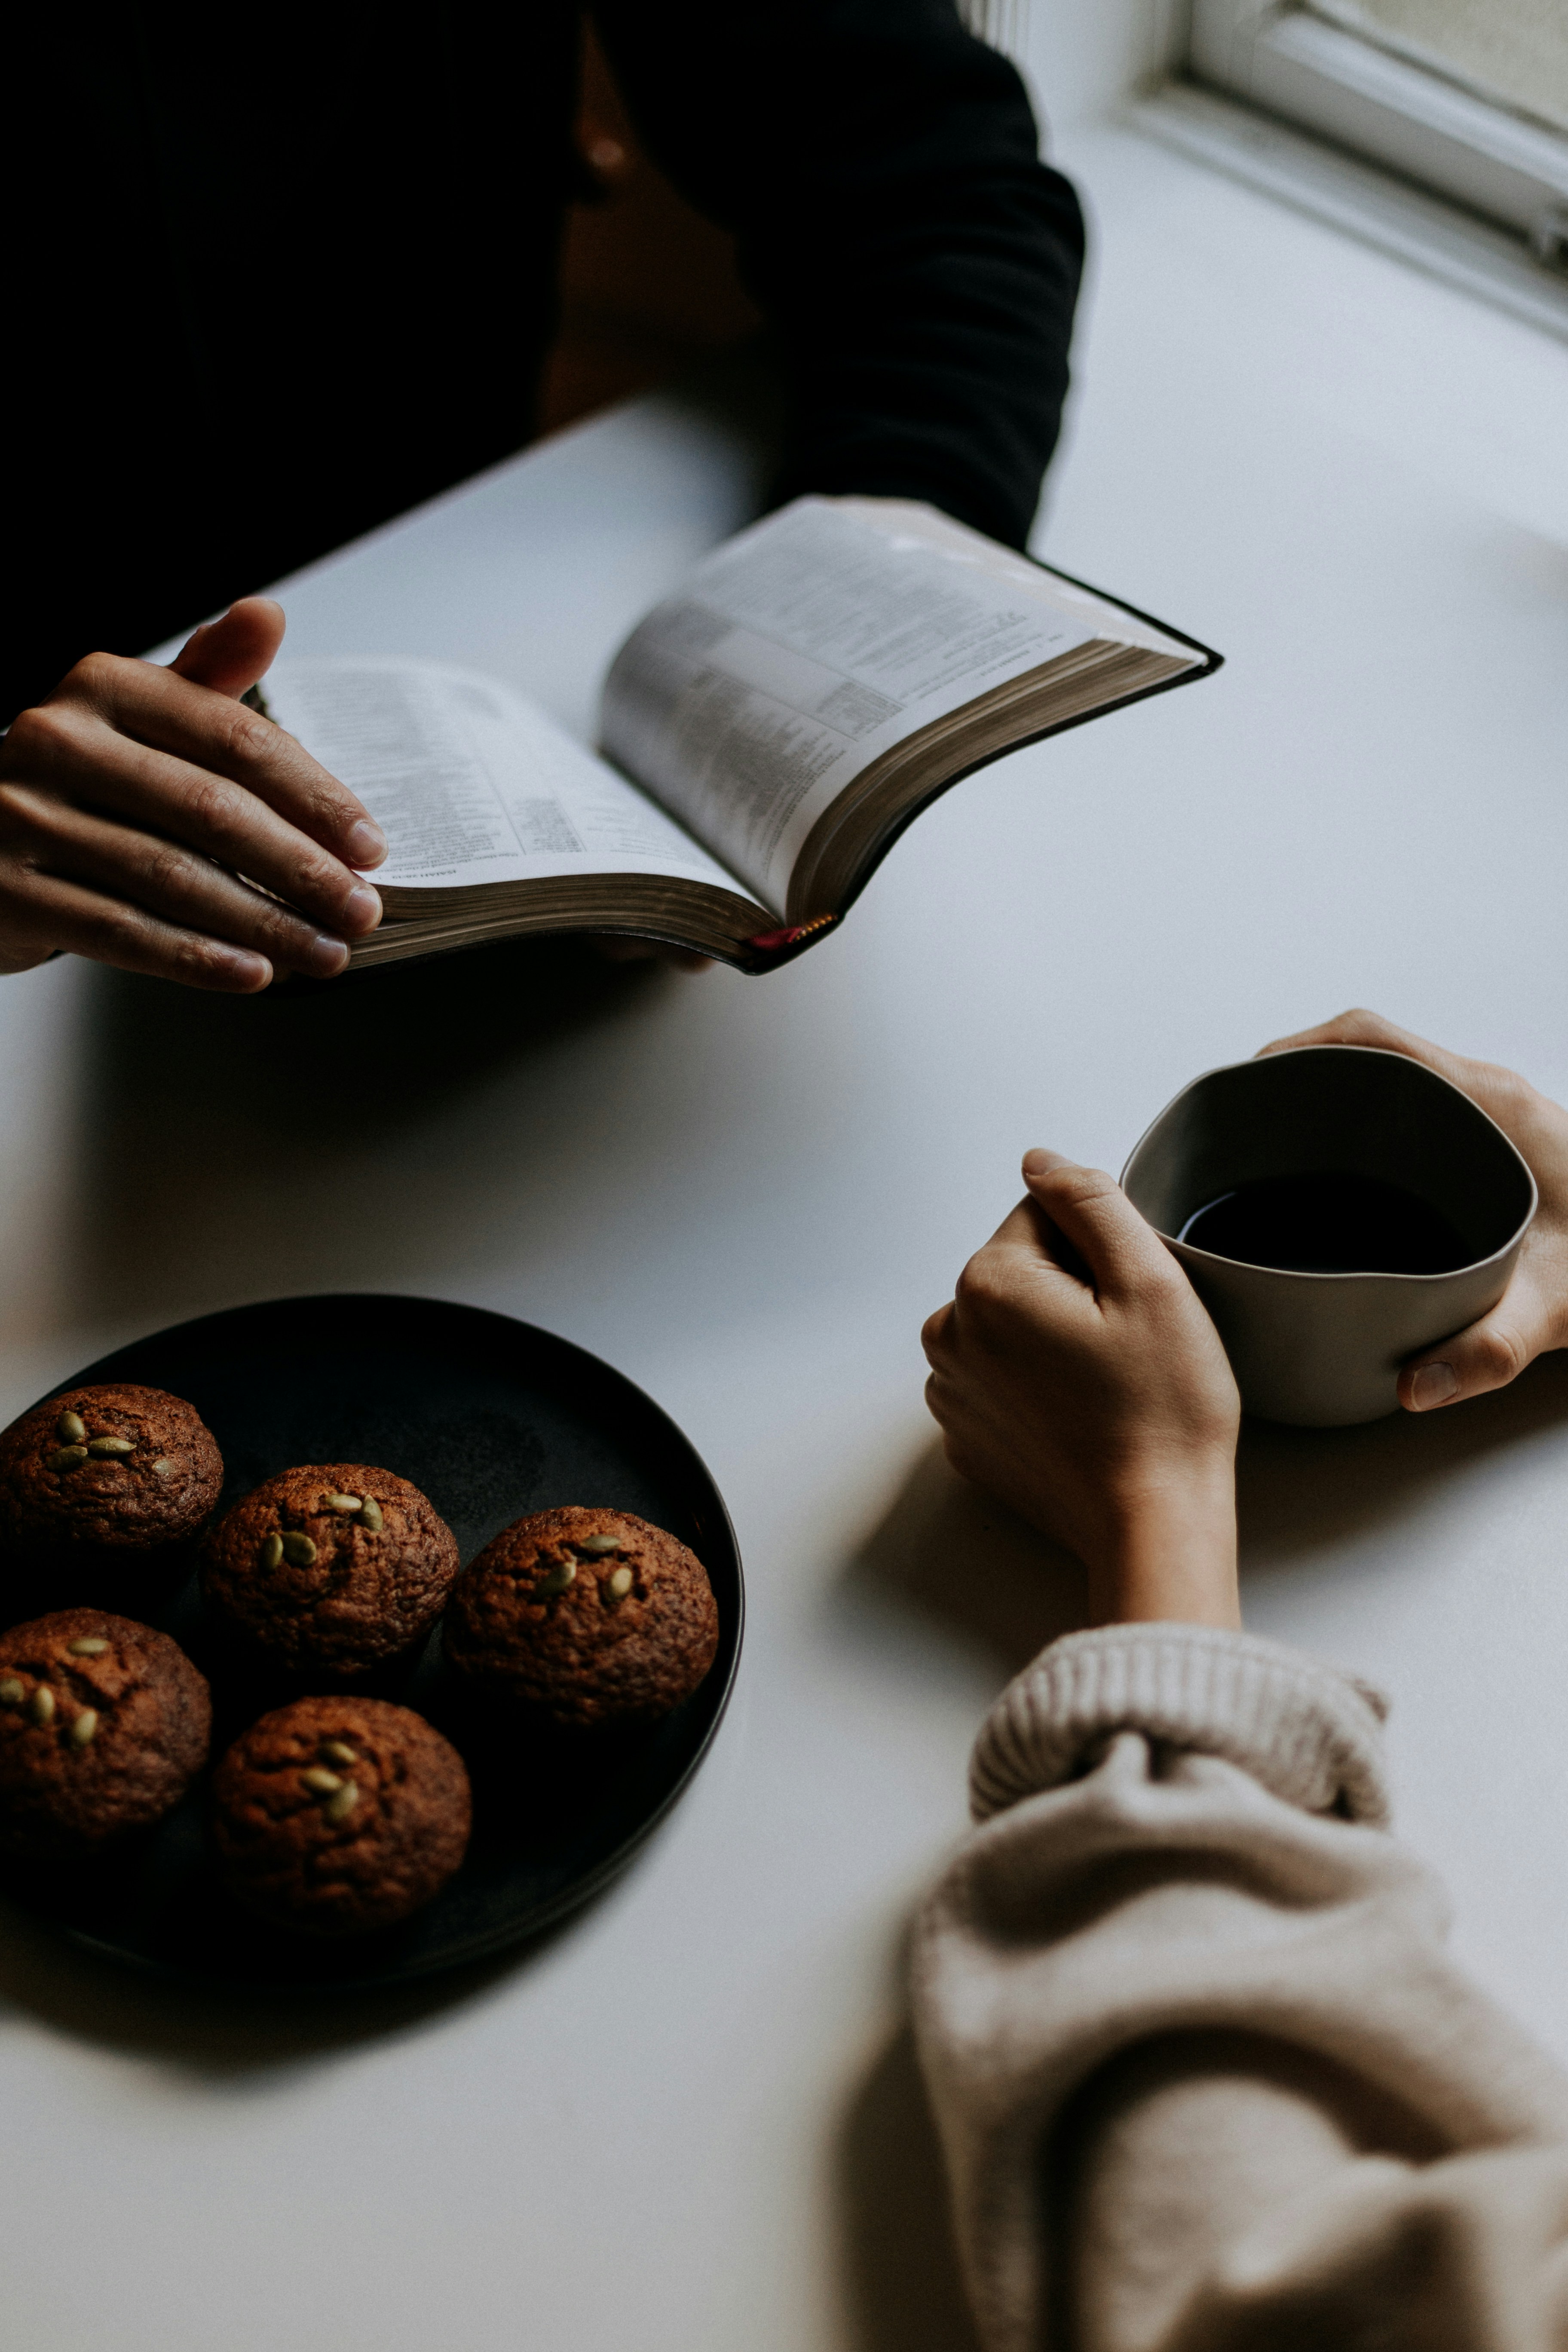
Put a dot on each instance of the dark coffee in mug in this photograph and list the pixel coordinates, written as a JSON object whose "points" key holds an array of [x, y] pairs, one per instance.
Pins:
{"points": [[1328, 1223]]}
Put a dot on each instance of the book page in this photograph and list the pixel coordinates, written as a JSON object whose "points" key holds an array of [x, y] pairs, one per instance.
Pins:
{"points": [[469, 782], [806, 646], [1101, 614]]}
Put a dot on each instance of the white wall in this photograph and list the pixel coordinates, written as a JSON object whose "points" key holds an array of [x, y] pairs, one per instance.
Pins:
{"points": [[1082, 57]]}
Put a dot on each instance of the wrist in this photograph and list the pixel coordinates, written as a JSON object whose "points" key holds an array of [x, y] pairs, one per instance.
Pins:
{"points": [[1171, 1554]]}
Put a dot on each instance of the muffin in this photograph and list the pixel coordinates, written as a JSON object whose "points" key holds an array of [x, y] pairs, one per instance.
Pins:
{"points": [[334, 1816], [330, 1572], [104, 1725], [584, 1620], [104, 1490]]}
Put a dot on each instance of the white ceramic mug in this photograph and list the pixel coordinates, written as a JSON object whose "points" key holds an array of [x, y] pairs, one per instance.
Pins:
{"points": [[1326, 1349]]}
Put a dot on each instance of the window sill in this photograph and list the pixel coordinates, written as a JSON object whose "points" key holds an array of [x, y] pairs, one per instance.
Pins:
{"points": [[1356, 197]]}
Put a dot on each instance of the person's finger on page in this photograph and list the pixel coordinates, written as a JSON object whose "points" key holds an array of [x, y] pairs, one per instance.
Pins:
{"points": [[133, 800], [116, 894], [234, 652], [228, 657]]}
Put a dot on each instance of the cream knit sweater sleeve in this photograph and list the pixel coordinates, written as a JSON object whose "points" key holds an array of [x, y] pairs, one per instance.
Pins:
{"points": [[1205, 2079]]}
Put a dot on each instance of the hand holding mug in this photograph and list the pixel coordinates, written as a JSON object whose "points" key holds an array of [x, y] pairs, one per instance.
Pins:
{"points": [[1531, 1316], [1077, 1375]]}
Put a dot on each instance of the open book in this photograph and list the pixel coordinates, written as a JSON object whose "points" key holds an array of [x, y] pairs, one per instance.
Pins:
{"points": [[765, 735]]}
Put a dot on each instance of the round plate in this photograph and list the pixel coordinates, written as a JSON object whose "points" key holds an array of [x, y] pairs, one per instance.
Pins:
{"points": [[492, 1419]]}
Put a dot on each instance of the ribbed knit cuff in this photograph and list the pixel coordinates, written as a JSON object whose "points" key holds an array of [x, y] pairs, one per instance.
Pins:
{"points": [[1309, 1733]]}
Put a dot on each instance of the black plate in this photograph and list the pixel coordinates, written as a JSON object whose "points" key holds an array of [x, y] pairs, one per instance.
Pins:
{"points": [[490, 1418]]}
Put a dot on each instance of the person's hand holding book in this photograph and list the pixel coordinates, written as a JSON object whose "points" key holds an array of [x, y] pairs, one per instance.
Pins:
{"points": [[1076, 1375], [133, 800]]}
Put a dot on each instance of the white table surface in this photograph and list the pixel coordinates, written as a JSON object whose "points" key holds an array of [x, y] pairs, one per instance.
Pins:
{"points": [[689, 2120]]}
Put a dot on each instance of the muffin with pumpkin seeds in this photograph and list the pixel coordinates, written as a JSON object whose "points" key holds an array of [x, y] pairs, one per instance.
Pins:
{"points": [[583, 1619], [103, 1491], [330, 1572], [104, 1724], [335, 1816]]}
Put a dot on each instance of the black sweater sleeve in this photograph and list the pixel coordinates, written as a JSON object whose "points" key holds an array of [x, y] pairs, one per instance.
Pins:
{"points": [[917, 261]]}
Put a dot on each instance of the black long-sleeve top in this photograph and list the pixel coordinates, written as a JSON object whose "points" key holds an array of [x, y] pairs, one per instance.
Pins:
{"points": [[272, 280]]}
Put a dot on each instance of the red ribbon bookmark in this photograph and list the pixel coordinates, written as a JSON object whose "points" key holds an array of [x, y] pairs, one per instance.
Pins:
{"points": [[776, 943]]}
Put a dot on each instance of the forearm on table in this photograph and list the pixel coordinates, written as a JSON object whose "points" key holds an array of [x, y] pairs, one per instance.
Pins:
{"points": [[1181, 1960], [1170, 1553], [918, 261]]}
